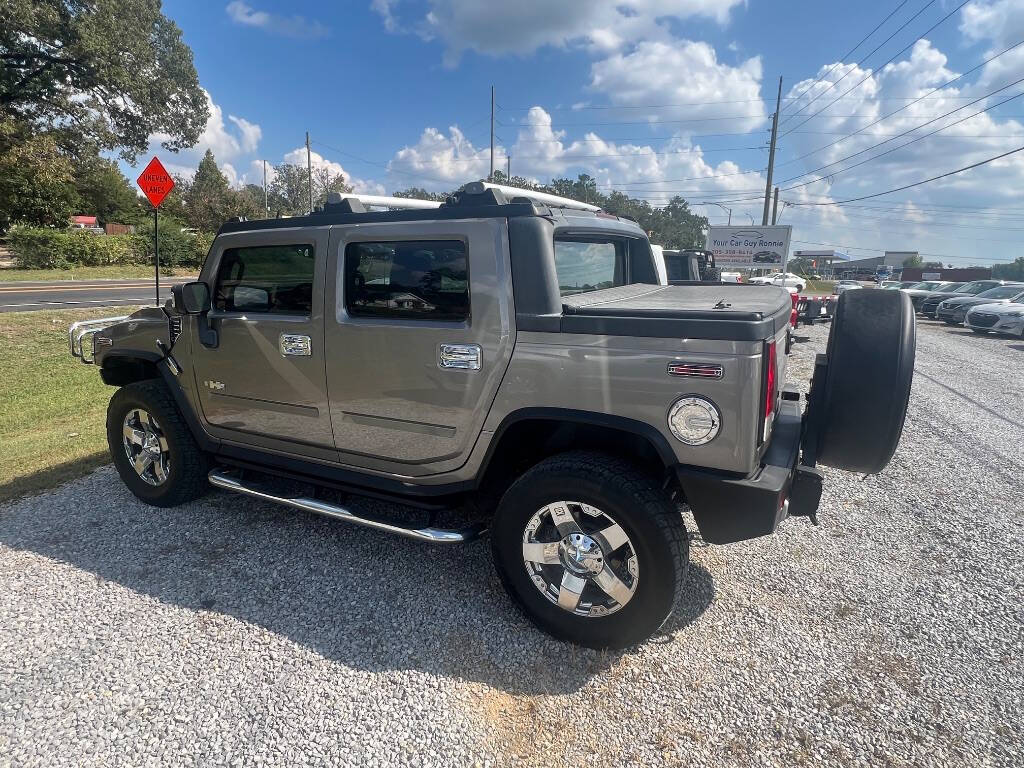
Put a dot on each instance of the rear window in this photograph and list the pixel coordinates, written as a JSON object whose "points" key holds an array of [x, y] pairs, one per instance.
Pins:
{"points": [[589, 264], [410, 279]]}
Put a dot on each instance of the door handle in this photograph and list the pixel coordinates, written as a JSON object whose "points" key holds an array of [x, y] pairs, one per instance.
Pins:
{"points": [[295, 345], [461, 356]]}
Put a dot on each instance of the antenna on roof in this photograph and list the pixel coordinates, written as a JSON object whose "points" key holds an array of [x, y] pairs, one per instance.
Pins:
{"points": [[479, 187], [382, 201]]}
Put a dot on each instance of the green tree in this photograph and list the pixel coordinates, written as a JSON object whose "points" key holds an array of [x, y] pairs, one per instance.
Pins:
{"points": [[1012, 271], [103, 74], [35, 180], [208, 199], [421, 194], [102, 190], [290, 188], [912, 261], [249, 202]]}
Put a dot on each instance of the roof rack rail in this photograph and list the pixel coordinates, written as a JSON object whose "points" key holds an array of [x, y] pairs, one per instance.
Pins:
{"points": [[399, 203], [479, 187]]}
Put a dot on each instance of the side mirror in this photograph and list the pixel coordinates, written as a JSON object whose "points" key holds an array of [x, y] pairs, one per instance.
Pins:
{"points": [[192, 298]]}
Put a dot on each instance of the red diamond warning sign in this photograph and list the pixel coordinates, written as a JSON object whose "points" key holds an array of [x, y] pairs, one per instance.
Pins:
{"points": [[155, 182]]}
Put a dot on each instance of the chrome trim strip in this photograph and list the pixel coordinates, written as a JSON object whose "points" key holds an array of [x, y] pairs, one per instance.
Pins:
{"points": [[78, 331], [221, 479]]}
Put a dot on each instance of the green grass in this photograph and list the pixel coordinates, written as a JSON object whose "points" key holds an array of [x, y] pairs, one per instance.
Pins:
{"points": [[109, 272], [52, 407], [819, 287]]}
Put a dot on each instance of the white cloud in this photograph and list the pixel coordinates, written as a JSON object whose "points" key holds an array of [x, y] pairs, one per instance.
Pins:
{"points": [[297, 156], [227, 144], [250, 134], [522, 27], [1001, 23], [442, 162], [683, 72], [287, 26]]}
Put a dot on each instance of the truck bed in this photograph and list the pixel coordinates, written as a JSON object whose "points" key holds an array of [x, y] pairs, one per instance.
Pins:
{"points": [[727, 311]]}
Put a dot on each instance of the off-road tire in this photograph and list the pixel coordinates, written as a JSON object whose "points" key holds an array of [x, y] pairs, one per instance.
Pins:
{"points": [[871, 349], [188, 465], [638, 504]]}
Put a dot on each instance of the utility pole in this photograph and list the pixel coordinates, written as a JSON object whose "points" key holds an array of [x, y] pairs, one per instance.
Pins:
{"points": [[491, 177], [309, 172], [775, 207], [266, 201], [771, 154]]}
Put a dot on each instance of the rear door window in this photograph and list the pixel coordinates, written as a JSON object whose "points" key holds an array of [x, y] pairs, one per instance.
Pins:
{"points": [[410, 279], [590, 264], [277, 279]]}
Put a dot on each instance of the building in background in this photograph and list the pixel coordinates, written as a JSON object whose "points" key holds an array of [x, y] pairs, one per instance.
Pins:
{"points": [[822, 262]]}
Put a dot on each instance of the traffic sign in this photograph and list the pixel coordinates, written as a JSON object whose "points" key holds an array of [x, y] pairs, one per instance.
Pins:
{"points": [[155, 182]]}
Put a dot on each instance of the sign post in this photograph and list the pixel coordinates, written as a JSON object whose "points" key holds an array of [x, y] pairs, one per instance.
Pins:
{"points": [[155, 183]]}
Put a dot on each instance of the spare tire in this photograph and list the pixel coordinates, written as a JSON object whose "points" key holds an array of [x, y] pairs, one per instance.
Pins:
{"points": [[867, 385]]}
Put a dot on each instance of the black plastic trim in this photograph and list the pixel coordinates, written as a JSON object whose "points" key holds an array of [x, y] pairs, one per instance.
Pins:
{"points": [[206, 443], [339, 476], [639, 428], [734, 509]]}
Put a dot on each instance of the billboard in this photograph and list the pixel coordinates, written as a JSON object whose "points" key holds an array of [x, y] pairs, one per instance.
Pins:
{"points": [[750, 247]]}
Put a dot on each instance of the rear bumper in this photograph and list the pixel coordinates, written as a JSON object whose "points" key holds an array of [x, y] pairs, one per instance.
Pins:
{"points": [[729, 509]]}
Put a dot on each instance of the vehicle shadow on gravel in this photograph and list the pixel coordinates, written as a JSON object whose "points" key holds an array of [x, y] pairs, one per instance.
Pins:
{"points": [[364, 599]]}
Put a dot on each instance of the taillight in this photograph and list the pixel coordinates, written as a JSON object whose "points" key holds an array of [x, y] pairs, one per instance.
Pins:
{"points": [[770, 391]]}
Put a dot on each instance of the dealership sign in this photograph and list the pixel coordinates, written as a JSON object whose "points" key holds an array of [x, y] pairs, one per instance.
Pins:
{"points": [[751, 247]]}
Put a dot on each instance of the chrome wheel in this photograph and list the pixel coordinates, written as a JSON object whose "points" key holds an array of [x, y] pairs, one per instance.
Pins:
{"points": [[580, 558], [146, 446]]}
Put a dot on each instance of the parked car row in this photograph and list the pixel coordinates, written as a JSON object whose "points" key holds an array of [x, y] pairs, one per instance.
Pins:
{"points": [[984, 306]]}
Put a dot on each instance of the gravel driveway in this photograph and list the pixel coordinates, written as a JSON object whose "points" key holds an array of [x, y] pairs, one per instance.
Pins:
{"points": [[234, 632]]}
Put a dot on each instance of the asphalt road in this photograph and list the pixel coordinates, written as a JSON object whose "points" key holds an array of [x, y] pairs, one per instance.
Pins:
{"points": [[234, 632], [65, 294]]}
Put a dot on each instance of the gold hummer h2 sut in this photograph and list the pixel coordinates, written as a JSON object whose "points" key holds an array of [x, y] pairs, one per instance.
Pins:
{"points": [[512, 352]]}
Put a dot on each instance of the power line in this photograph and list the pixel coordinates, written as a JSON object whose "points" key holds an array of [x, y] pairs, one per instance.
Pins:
{"points": [[906, 144], [843, 57], [595, 107], [917, 183], [912, 103], [638, 154], [877, 69]]}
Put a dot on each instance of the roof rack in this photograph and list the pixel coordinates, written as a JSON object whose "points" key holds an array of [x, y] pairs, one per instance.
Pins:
{"points": [[397, 203], [479, 187]]}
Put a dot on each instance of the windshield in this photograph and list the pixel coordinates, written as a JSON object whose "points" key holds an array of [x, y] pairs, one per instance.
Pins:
{"points": [[1002, 292], [951, 288], [976, 287], [926, 286]]}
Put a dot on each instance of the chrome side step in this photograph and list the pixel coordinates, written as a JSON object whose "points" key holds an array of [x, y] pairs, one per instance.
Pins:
{"points": [[222, 479]]}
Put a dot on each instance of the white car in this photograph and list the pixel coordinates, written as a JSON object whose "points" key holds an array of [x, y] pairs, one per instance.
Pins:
{"points": [[845, 285], [731, 277], [781, 278], [998, 318]]}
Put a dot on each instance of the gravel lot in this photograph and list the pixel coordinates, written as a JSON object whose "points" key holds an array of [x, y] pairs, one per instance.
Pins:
{"points": [[232, 632]]}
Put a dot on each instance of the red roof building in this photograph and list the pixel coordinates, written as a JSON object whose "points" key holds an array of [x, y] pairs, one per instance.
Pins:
{"points": [[84, 221]]}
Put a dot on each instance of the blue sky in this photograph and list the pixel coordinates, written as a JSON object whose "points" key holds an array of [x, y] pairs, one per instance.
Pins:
{"points": [[654, 97]]}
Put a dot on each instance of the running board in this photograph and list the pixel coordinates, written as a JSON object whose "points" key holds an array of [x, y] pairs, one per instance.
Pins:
{"points": [[222, 479]]}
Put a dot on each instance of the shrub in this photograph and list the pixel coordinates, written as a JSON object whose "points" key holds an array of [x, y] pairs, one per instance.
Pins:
{"points": [[177, 248], [39, 248]]}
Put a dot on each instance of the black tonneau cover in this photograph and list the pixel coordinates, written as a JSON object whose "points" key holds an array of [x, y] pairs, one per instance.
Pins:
{"points": [[727, 311]]}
